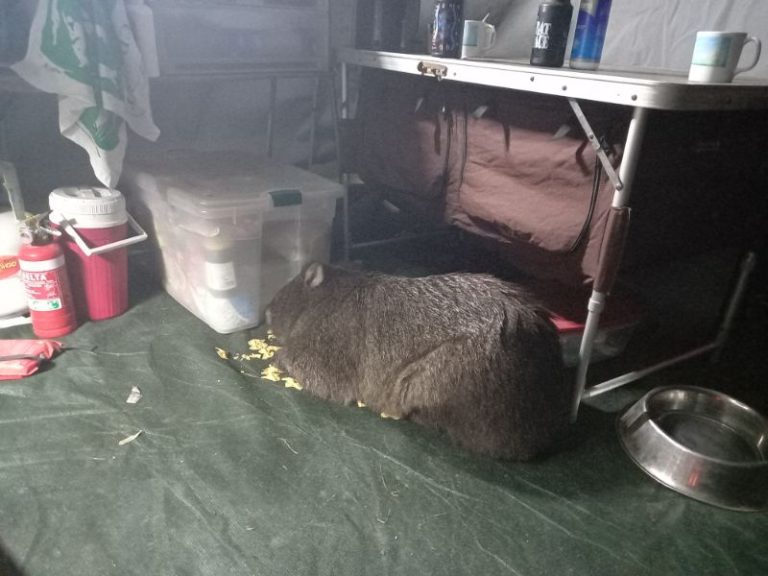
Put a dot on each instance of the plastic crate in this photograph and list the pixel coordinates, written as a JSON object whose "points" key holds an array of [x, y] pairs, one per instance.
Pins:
{"points": [[230, 230]]}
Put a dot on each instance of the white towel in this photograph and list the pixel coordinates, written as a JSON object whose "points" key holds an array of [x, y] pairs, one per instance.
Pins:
{"points": [[84, 51]]}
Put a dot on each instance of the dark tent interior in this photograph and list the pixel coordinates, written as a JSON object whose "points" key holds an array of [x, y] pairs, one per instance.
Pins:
{"points": [[375, 287]]}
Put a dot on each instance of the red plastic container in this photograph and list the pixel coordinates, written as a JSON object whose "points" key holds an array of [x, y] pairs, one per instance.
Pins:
{"points": [[568, 311], [95, 225], [45, 279]]}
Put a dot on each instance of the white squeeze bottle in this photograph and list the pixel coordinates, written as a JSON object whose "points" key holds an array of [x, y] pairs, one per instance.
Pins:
{"points": [[13, 300]]}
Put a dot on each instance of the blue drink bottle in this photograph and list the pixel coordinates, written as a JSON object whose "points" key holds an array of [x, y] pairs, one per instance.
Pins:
{"points": [[589, 36]]}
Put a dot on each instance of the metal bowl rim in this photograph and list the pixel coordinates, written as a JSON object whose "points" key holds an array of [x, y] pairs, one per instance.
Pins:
{"points": [[698, 496], [678, 445]]}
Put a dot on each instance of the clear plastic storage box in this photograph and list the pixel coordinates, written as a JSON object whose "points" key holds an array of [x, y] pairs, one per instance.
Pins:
{"points": [[231, 230]]}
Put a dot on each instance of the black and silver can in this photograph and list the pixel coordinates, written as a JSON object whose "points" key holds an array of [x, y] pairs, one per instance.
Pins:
{"points": [[446, 29], [552, 25]]}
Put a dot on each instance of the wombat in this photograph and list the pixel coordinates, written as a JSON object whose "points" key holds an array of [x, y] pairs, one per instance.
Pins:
{"points": [[465, 353]]}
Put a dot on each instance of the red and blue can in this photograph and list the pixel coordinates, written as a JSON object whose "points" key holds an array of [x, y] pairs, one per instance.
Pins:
{"points": [[447, 28]]}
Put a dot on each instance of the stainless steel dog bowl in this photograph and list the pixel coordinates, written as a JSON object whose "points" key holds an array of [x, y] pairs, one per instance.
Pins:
{"points": [[700, 443]]}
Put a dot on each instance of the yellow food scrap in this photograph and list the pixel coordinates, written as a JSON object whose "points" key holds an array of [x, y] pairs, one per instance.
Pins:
{"points": [[389, 416], [272, 373], [291, 383], [263, 351], [223, 354], [361, 404], [270, 336], [254, 356]]}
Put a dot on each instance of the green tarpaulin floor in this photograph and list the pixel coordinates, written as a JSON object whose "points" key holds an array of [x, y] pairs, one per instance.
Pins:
{"points": [[236, 475]]}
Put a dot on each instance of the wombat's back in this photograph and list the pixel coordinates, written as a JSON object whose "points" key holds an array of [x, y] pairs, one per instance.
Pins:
{"points": [[469, 354]]}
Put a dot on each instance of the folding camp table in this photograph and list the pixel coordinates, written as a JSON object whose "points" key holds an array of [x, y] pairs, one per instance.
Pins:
{"points": [[640, 91]]}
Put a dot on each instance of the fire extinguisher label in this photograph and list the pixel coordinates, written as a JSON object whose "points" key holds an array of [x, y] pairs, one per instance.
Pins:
{"points": [[9, 265], [44, 292]]}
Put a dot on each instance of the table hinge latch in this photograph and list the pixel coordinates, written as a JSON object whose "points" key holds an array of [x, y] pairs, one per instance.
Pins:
{"points": [[439, 71]]}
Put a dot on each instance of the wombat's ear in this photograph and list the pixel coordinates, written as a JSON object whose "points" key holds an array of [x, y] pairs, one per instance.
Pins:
{"points": [[313, 275]]}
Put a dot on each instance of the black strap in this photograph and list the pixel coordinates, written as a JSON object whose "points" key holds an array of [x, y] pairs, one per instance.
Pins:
{"points": [[591, 210]]}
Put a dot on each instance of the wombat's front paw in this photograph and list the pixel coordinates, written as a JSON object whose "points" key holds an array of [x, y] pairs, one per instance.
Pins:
{"points": [[281, 359]]}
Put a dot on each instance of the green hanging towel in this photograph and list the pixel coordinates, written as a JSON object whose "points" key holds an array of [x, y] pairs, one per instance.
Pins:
{"points": [[84, 51]]}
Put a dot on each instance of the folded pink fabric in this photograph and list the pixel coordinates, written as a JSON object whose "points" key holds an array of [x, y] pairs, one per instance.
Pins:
{"points": [[20, 358]]}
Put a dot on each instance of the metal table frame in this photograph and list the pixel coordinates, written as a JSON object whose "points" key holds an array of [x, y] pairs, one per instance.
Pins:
{"points": [[319, 75], [640, 91], [12, 85]]}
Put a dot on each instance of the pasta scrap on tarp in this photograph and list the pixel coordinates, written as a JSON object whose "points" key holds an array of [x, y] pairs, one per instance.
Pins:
{"points": [[134, 396], [129, 439], [260, 350], [271, 373]]}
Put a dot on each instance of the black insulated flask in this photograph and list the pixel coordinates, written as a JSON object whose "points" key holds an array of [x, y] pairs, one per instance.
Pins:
{"points": [[552, 25]]}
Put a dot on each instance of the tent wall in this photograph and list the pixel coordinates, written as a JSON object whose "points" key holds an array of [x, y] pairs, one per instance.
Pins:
{"points": [[650, 34]]}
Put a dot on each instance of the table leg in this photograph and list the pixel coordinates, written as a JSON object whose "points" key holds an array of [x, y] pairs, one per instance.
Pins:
{"points": [[747, 266], [313, 123], [715, 346], [611, 252], [344, 114], [271, 116]]}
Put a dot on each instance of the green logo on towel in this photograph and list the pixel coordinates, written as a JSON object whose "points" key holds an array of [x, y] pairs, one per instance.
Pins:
{"points": [[103, 126], [79, 37]]}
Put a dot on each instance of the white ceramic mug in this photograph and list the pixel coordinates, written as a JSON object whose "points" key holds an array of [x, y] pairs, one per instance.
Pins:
{"points": [[716, 54], [478, 37]]}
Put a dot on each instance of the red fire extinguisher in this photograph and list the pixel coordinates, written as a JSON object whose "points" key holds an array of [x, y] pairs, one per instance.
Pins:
{"points": [[44, 275]]}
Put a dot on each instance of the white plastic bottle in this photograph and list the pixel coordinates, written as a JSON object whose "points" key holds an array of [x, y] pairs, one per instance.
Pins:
{"points": [[13, 299]]}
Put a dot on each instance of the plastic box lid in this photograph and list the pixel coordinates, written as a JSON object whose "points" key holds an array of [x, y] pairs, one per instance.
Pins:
{"points": [[214, 184], [270, 186]]}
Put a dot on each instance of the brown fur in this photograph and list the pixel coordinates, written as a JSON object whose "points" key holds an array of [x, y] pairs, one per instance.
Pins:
{"points": [[465, 353]]}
